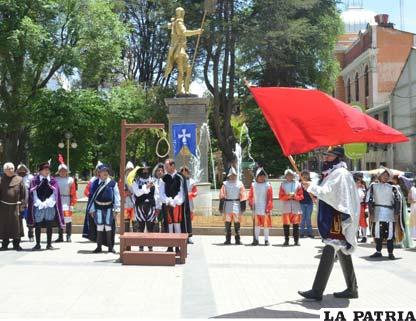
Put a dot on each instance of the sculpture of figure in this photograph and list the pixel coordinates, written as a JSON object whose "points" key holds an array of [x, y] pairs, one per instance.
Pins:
{"points": [[177, 52]]}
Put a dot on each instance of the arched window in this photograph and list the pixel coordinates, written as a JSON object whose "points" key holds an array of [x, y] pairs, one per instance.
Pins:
{"points": [[348, 91], [366, 83], [357, 88]]}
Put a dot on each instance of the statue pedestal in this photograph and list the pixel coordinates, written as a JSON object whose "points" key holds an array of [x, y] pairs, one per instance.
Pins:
{"points": [[189, 110]]}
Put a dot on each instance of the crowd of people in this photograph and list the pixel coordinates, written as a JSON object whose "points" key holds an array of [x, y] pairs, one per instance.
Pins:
{"points": [[161, 200]]}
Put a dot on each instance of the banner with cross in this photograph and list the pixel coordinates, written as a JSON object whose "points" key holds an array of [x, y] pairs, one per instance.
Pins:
{"points": [[184, 135]]}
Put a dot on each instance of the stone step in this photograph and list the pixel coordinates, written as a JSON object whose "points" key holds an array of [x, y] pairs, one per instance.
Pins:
{"points": [[148, 258]]}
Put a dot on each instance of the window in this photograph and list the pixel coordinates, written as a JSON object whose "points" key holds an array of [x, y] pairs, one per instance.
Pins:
{"points": [[357, 88], [366, 83], [386, 117], [348, 91]]}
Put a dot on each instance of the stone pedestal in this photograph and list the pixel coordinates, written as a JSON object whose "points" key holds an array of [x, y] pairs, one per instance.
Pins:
{"points": [[189, 110]]}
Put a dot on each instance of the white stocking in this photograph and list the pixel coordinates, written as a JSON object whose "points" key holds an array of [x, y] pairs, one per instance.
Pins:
{"points": [[266, 234], [257, 232], [170, 227], [177, 227]]}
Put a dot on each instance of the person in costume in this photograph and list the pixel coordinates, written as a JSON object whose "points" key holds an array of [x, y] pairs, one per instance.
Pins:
{"points": [[45, 206], [338, 214], [385, 207], [129, 215], [174, 195], [412, 202], [290, 194], [145, 202], [12, 204], [102, 208], [192, 194], [362, 190], [400, 182], [232, 205], [306, 205], [260, 199], [88, 187], [68, 191], [23, 171], [158, 173]]}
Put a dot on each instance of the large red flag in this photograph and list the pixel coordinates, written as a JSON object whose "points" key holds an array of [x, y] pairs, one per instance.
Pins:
{"points": [[305, 119]]}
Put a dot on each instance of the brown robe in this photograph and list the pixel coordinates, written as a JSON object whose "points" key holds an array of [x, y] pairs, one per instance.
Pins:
{"points": [[12, 191]]}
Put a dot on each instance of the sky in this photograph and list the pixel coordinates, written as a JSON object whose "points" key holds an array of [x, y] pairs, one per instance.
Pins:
{"points": [[392, 8]]}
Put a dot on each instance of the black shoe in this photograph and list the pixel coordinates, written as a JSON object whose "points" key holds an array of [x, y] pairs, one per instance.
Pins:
{"points": [[97, 250], [376, 254], [347, 294], [286, 243], [141, 248], [311, 295], [170, 249], [266, 243], [17, 248], [363, 240], [68, 238], [177, 251], [255, 243], [3, 248], [238, 242], [391, 256], [36, 247], [50, 247], [111, 250], [227, 242], [150, 248], [297, 243], [190, 241], [59, 240], [311, 236]]}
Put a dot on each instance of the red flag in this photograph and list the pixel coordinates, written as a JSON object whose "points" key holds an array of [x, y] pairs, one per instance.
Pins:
{"points": [[61, 159], [305, 119]]}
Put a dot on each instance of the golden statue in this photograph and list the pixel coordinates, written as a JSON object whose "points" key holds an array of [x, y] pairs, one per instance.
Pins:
{"points": [[177, 52]]}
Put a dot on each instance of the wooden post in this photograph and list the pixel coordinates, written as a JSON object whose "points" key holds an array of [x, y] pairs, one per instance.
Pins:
{"points": [[122, 178], [126, 130]]}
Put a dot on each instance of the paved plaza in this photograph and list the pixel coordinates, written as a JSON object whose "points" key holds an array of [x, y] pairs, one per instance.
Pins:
{"points": [[216, 282]]}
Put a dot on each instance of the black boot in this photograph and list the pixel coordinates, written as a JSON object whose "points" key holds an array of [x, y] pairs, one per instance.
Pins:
{"points": [[390, 248], [322, 275], [60, 238], [237, 233], [16, 245], [296, 234], [37, 236], [227, 233], [4, 245], [126, 225], [349, 275], [286, 233], [109, 237], [30, 234], [68, 231], [49, 236], [99, 242]]}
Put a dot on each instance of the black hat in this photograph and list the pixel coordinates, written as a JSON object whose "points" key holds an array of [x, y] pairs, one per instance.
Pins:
{"points": [[336, 151], [43, 166]]}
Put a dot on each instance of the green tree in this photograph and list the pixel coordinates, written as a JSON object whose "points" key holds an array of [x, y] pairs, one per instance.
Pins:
{"points": [[40, 38]]}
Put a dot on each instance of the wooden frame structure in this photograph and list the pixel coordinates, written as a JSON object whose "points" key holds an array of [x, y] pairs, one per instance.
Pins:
{"points": [[126, 131]]}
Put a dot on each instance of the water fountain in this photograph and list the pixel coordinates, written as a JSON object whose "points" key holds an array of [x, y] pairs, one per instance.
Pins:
{"points": [[239, 152]]}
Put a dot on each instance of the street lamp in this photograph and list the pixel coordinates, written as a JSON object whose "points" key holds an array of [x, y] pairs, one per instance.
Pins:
{"points": [[73, 145]]}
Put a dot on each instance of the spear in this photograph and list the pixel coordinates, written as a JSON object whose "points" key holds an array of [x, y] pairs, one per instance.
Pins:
{"points": [[209, 7]]}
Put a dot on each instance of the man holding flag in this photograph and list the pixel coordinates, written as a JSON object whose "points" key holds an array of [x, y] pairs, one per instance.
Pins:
{"points": [[338, 214]]}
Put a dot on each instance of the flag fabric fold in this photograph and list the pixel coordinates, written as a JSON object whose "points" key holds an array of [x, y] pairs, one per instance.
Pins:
{"points": [[306, 119]]}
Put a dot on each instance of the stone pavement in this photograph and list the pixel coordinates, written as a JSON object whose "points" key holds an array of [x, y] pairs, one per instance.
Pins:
{"points": [[217, 281]]}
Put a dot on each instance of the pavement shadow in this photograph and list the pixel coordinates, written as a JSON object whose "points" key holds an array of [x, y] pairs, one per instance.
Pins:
{"points": [[301, 309], [378, 259]]}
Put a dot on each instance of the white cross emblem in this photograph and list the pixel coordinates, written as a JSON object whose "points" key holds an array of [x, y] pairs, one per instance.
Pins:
{"points": [[184, 136]]}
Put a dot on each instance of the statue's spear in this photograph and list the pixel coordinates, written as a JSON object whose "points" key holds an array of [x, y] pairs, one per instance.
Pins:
{"points": [[209, 7]]}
